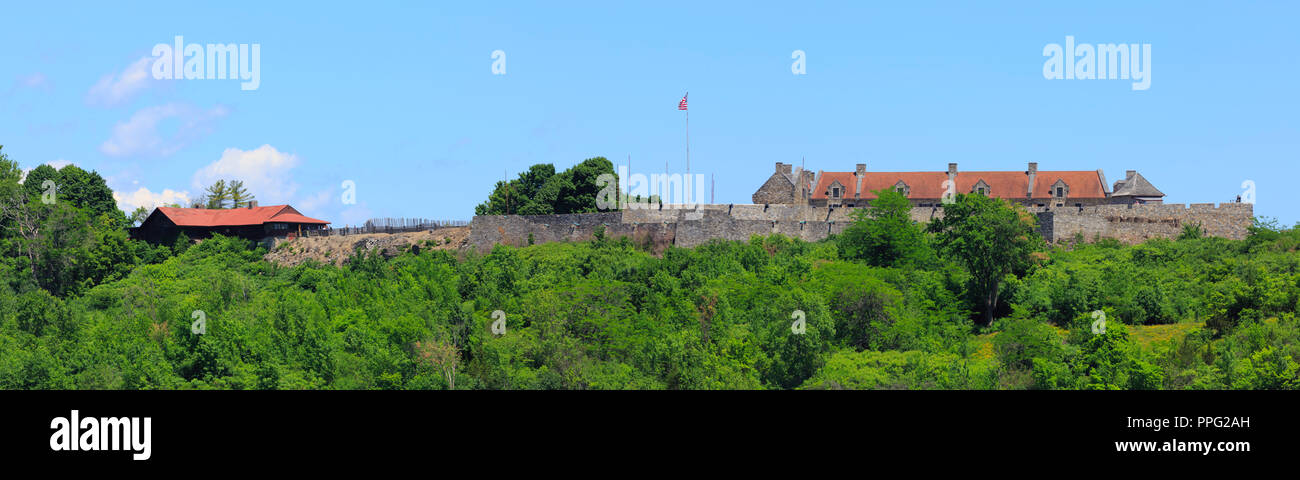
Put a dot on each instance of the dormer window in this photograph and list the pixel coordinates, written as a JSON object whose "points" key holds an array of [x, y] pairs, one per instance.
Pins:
{"points": [[902, 188], [836, 189], [1060, 189], [982, 188]]}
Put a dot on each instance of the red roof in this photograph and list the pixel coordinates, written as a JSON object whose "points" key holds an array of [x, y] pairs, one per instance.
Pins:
{"points": [[919, 184], [1001, 184], [826, 179], [1082, 184], [930, 185], [202, 217]]}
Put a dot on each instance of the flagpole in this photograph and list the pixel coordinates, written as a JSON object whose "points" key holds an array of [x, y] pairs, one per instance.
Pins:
{"points": [[686, 182]]}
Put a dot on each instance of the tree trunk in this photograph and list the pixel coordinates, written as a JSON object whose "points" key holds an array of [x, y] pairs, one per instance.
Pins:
{"points": [[990, 304]]}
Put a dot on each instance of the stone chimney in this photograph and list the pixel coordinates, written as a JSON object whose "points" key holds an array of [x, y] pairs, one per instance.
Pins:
{"points": [[1128, 175], [252, 204], [859, 174], [784, 167], [798, 188], [1032, 173], [952, 172]]}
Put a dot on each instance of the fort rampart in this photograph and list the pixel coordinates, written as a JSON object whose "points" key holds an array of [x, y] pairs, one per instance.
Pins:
{"points": [[696, 226]]}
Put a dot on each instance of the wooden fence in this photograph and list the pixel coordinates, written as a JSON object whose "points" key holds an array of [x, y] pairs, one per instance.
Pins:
{"points": [[387, 225]]}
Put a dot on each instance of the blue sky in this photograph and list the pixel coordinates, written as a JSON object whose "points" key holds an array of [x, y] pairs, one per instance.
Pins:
{"points": [[400, 97]]}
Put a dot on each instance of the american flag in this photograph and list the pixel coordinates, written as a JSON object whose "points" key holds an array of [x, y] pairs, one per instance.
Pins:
{"points": [[682, 104]]}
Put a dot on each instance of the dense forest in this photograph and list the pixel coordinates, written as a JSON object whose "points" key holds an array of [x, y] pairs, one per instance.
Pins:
{"points": [[975, 301]]}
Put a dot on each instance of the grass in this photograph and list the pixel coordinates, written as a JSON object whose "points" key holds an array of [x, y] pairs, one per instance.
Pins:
{"points": [[1145, 336]]}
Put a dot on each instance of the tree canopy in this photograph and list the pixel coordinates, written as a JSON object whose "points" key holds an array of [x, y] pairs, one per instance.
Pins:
{"points": [[225, 194], [991, 238], [884, 234], [541, 191]]}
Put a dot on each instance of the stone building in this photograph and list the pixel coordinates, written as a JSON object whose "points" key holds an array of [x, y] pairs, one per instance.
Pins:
{"points": [[1034, 188], [787, 186], [1134, 189]]}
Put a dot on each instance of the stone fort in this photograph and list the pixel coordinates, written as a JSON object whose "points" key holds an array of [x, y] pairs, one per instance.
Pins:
{"points": [[811, 206]]}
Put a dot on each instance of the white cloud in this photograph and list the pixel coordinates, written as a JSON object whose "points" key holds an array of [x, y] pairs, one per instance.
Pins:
{"points": [[140, 134], [314, 202], [265, 171], [115, 89], [36, 80], [128, 202]]}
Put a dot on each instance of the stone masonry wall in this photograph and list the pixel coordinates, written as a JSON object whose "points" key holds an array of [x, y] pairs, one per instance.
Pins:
{"points": [[1138, 223], [692, 227], [488, 230]]}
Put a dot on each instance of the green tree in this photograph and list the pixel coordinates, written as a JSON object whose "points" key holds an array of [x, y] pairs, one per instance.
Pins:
{"points": [[34, 183], [541, 191], [81, 189], [138, 216], [1191, 231], [217, 195], [992, 238], [88, 191], [578, 191], [884, 234], [239, 196]]}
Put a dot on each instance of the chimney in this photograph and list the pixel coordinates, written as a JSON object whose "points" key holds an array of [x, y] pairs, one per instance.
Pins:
{"points": [[1032, 173], [859, 174], [798, 190], [952, 169], [1129, 174], [783, 167], [806, 184], [252, 204]]}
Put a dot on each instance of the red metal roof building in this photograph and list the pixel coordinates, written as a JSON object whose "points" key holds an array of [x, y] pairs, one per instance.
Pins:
{"points": [[164, 224]]}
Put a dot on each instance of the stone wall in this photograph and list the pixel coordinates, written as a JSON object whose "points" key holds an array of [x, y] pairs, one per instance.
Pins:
{"points": [[1138, 223], [659, 227], [693, 230], [489, 230]]}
